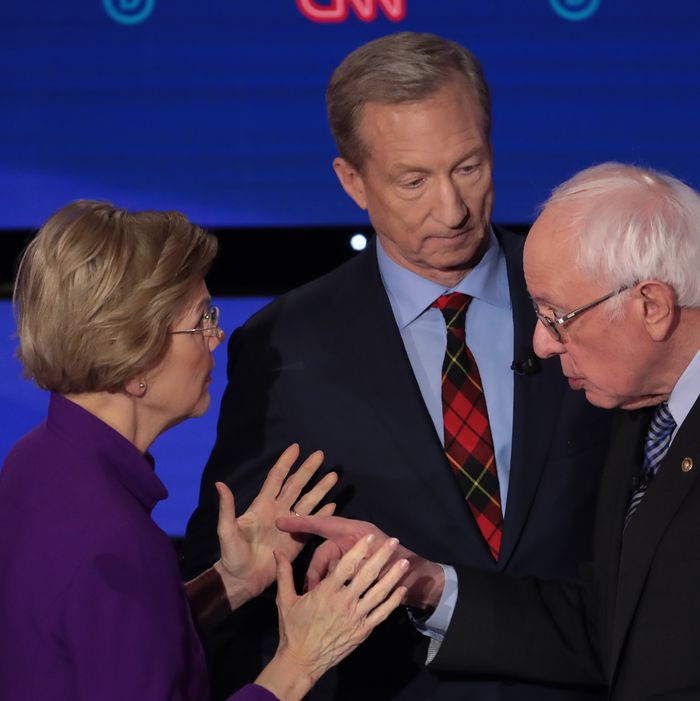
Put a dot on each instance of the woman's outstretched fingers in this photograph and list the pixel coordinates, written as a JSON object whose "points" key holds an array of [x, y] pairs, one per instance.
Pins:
{"points": [[369, 570], [382, 611], [314, 496], [321, 627], [350, 563], [382, 588], [279, 471], [296, 483], [327, 509]]}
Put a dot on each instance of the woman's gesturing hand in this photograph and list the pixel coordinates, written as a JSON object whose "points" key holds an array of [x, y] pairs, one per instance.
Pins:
{"points": [[323, 626], [247, 564]]}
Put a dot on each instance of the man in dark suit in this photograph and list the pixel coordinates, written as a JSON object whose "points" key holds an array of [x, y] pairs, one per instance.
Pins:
{"points": [[352, 363], [619, 248], [635, 620]]}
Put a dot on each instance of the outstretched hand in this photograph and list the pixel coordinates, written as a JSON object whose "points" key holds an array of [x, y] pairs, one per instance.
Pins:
{"points": [[247, 565], [424, 580], [323, 626]]}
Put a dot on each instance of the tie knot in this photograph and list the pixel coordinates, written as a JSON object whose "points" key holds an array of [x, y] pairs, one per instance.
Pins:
{"points": [[662, 423], [453, 307], [658, 439]]}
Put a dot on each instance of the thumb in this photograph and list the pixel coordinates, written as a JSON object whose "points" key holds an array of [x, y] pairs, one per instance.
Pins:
{"points": [[286, 593], [227, 508]]}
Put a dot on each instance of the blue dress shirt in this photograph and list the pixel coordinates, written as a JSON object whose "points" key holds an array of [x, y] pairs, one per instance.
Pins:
{"points": [[685, 393], [489, 334]]}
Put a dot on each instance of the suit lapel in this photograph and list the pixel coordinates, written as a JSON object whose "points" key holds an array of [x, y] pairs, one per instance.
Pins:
{"points": [[622, 465], [649, 523], [536, 402], [372, 353]]}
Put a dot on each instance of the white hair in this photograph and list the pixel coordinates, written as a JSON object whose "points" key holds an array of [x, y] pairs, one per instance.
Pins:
{"points": [[633, 224]]}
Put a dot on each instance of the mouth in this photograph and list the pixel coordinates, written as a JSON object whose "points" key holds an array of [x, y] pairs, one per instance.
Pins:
{"points": [[455, 234], [575, 382]]}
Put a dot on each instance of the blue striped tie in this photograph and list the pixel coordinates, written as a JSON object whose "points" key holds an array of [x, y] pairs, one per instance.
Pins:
{"points": [[655, 448]]}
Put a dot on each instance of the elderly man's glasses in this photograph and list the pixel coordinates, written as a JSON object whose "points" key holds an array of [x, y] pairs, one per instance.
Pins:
{"points": [[208, 326], [553, 324]]}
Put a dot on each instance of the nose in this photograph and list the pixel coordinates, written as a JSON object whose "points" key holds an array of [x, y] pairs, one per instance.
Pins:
{"points": [[544, 344], [450, 208]]}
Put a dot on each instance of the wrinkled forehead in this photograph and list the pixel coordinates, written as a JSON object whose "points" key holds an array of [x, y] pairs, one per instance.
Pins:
{"points": [[549, 258], [421, 109]]}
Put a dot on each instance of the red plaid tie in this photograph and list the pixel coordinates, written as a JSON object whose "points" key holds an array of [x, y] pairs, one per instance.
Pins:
{"points": [[468, 442]]}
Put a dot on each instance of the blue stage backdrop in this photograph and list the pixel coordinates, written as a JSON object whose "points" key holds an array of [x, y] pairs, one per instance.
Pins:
{"points": [[216, 107], [180, 453]]}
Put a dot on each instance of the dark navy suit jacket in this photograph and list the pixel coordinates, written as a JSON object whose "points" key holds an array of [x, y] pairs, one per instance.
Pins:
{"points": [[632, 619], [325, 366]]}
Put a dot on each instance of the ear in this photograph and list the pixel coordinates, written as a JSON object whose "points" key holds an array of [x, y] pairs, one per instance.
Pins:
{"points": [[658, 308], [351, 180], [136, 387]]}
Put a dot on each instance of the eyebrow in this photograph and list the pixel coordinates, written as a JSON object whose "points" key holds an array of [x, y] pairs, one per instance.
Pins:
{"points": [[542, 302], [473, 153], [405, 168]]}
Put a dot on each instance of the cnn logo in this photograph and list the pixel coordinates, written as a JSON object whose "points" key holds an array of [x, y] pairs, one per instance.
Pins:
{"points": [[339, 10]]}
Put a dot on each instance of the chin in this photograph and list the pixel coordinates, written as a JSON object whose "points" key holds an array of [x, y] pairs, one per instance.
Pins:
{"points": [[200, 408], [203, 406], [640, 402], [604, 401]]}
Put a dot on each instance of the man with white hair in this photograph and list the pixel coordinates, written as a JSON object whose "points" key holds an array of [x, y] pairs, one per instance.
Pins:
{"points": [[612, 266]]}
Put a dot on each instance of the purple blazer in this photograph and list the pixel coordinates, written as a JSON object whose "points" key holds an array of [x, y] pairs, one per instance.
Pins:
{"points": [[92, 602]]}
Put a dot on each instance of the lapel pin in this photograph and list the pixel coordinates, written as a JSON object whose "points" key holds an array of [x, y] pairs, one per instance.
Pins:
{"points": [[687, 464]]}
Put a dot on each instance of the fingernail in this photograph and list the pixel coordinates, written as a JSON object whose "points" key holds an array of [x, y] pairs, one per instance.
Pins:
{"points": [[404, 564], [393, 542], [369, 538]]}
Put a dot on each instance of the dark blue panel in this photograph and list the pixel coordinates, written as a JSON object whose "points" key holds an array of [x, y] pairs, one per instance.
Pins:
{"points": [[216, 107]]}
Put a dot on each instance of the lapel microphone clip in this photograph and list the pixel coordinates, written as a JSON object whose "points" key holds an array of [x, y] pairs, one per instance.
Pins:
{"points": [[527, 366]]}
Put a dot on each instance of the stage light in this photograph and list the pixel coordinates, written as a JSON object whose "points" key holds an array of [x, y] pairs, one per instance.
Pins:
{"points": [[358, 242]]}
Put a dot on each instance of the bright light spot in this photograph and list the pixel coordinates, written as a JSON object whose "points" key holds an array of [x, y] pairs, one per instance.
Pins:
{"points": [[358, 242]]}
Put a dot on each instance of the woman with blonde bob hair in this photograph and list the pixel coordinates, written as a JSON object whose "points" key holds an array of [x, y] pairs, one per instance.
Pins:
{"points": [[116, 322]]}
